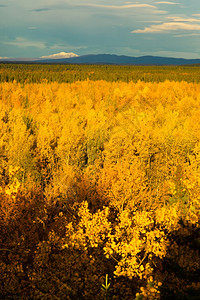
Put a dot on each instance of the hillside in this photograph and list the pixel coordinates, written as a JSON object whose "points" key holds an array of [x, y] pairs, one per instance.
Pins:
{"points": [[110, 59]]}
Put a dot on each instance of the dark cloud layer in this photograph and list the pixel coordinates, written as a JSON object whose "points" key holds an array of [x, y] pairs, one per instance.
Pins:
{"points": [[41, 9]]}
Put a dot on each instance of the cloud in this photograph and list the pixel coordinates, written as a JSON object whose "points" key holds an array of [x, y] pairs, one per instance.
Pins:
{"points": [[150, 21], [185, 35], [32, 27], [151, 8], [24, 43], [168, 26], [127, 6], [167, 2], [41, 9], [67, 47], [196, 15], [3, 5], [3, 57], [159, 12], [60, 55], [180, 19]]}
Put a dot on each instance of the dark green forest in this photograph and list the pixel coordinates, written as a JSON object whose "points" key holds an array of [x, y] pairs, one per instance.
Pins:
{"points": [[37, 73]]}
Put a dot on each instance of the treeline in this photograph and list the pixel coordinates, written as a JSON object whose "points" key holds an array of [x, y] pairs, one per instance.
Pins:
{"points": [[97, 180], [36, 73]]}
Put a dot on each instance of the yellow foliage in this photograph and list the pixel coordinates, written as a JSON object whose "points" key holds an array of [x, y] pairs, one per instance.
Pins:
{"points": [[118, 168]]}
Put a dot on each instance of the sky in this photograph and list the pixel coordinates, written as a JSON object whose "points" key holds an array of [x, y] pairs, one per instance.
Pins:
{"points": [[135, 28]]}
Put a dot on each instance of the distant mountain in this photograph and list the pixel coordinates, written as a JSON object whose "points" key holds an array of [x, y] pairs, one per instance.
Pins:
{"points": [[123, 60], [112, 59]]}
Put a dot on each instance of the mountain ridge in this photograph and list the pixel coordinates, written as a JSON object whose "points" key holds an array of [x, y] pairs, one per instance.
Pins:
{"points": [[109, 59]]}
